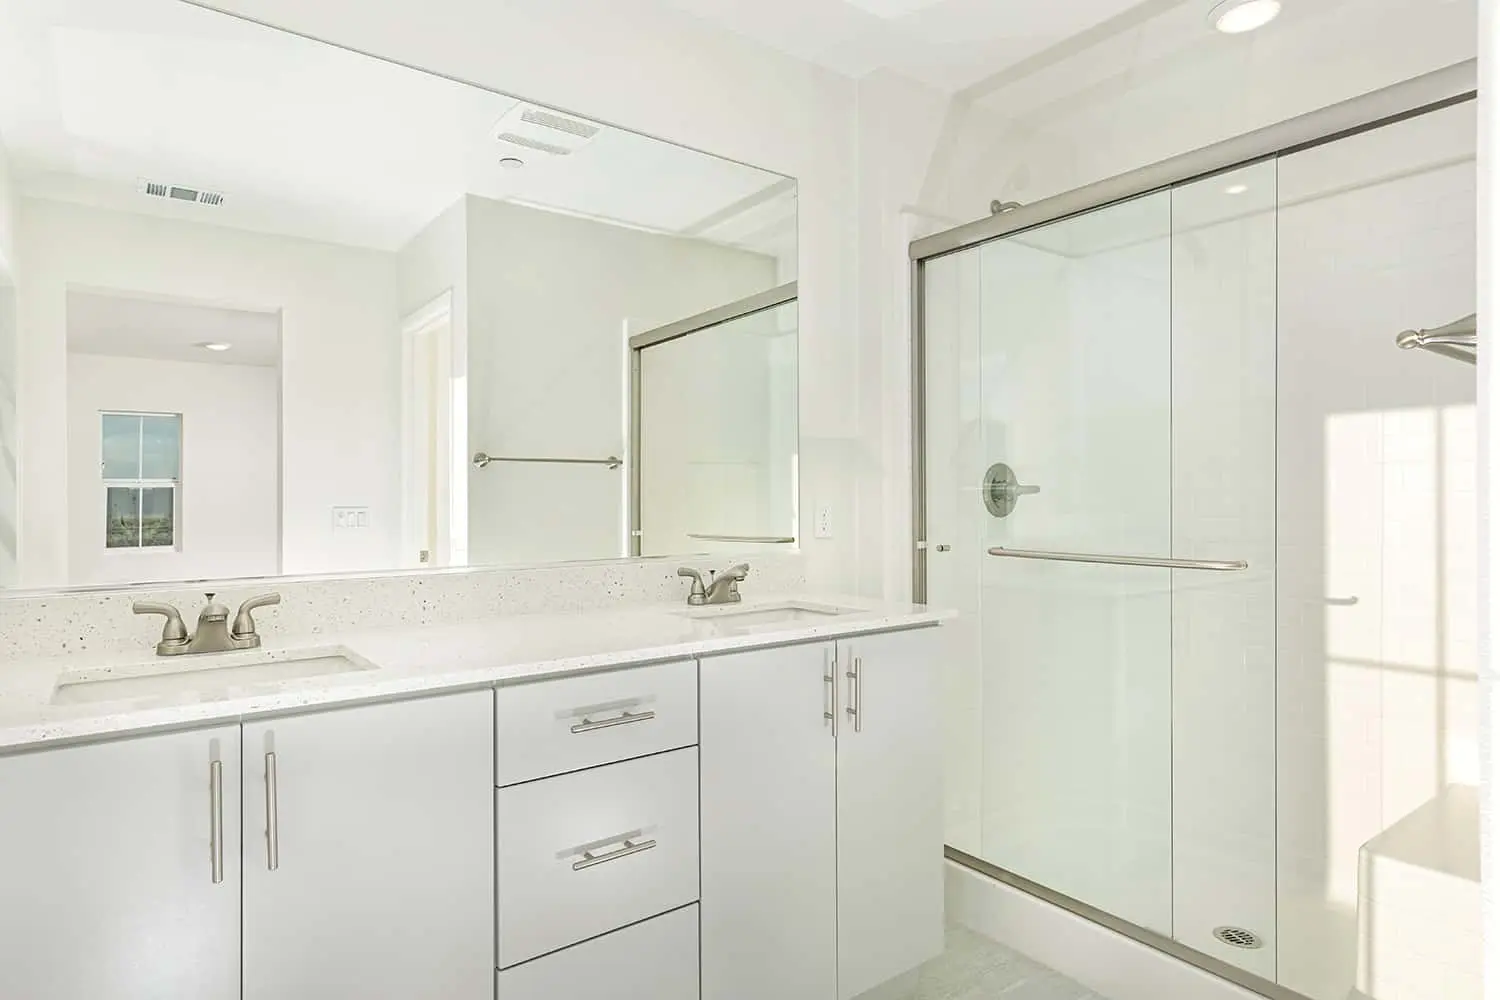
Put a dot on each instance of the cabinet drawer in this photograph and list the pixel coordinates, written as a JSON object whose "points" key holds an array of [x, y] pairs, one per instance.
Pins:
{"points": [[654, 960], [589, 852], [552, 727]]}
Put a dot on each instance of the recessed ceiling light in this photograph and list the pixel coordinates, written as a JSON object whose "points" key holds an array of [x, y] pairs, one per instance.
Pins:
{"points": [[1234, 17], [1237, 189], [211, 346], [512, 163]]}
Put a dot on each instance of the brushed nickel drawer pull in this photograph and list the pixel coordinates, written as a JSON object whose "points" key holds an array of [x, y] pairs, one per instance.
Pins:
{"points": [[629, 847], [591, 726]]}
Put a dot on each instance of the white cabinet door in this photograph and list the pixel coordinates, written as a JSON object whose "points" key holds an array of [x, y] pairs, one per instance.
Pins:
{"points": [[890, 808], [120, 869], [766, 755], [376, 878]]}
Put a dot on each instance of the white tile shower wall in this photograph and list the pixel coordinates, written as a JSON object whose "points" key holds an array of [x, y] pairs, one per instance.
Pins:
{"points": [[1376, 507], [59, 624], [1223, 507], [9, 466], [1074, 380]]}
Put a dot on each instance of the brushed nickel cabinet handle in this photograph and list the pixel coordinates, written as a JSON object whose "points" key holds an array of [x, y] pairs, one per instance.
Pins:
{"points": [[855, 695], [592, 726], [830, 711], [273, 824], [627, 848], [216, 820]]}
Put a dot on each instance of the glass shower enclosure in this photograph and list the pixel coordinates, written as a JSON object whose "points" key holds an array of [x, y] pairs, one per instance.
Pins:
{"points": [[1211, 534]]}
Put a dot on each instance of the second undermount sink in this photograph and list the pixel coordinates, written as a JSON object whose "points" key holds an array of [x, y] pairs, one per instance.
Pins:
{"points": [[735, 620], [208, 675]]}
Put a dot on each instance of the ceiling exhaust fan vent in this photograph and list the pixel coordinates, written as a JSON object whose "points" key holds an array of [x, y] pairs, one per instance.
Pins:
{"points": [[536, 116], [536, 144], [544, 130], [180, 192]]}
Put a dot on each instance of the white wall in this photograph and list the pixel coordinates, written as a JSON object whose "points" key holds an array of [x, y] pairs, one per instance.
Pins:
{"points": [[434, 263], [9, 486], [339, 373], [228, 513], [551, 298], [1159, 82]]}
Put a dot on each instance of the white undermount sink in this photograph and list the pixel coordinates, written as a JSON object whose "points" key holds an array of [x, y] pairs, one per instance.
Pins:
{"points": [[732, 619], [208, 675]]}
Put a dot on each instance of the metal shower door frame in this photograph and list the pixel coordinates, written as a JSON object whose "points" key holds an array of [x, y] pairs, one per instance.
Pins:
{"points": [[1433, 91], [718, 316], [1420, 95]]}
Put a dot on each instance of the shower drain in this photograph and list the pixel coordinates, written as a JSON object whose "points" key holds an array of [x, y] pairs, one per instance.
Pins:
{"points": [[1238, 937]]}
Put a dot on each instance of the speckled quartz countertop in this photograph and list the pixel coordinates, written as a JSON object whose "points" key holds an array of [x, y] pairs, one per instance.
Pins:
{"points": [[408, 661]]}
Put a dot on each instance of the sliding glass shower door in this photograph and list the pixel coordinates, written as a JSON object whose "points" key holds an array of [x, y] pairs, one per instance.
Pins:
{"points": [[1100, 506]]}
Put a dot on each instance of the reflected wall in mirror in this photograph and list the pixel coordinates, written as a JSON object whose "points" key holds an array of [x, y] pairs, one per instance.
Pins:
{"points": [[263, 301]]}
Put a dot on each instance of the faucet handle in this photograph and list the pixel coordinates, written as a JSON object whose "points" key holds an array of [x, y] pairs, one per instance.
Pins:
{"points": [[697, 594], [244, 624], [174, 632]]}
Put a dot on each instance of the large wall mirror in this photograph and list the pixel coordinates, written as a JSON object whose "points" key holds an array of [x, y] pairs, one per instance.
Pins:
{"points": [[268, 306]]}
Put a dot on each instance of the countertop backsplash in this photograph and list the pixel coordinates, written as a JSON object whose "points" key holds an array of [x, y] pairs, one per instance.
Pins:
{"points": [[59, 624]]}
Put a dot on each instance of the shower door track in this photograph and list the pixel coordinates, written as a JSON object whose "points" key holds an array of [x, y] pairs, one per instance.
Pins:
{"points": [[1134, 932], [1433, 91]]}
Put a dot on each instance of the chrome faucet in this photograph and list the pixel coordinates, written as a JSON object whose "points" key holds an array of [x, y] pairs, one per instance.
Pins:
{"points": [[723, 588], [214, 634]]}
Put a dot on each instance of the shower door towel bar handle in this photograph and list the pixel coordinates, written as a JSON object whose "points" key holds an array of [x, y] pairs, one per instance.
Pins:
{"points": [[482, 460], [1214, 565]]}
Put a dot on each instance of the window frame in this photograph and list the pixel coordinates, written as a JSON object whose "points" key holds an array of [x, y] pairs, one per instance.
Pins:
{"points": [[141, 484]]}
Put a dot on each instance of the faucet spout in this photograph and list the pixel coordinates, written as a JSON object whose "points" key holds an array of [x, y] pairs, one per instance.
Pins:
{"points": [[725, 586]]}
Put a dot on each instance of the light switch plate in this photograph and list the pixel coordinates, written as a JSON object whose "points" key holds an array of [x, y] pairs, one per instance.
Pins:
{"points": [[350, 518]]}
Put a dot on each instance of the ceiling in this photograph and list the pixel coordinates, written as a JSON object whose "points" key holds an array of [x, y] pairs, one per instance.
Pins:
{"points": [[949, 44], [307, 139], [135, 327]]}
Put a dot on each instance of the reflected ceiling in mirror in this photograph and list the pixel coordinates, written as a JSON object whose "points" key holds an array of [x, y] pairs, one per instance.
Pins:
{"points": [[323, 283]]}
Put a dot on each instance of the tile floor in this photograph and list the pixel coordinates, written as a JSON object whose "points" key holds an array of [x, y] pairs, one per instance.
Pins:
{"points": [[972, 967]]}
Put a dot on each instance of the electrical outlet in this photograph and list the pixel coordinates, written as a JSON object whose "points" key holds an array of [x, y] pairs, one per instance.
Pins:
{"points": [[824, 528]]}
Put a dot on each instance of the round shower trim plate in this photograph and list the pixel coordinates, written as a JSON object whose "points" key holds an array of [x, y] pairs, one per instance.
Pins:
{"points": [[1239, 937]]}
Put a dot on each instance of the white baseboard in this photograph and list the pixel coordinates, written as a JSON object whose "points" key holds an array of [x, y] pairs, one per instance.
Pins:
{"points": [[1105, 961]]}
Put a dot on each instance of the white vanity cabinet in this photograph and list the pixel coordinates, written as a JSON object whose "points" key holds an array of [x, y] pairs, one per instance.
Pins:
{"points": [[369, 852], [821, 838], [120, 869], [758, 824], [890, 803]]}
